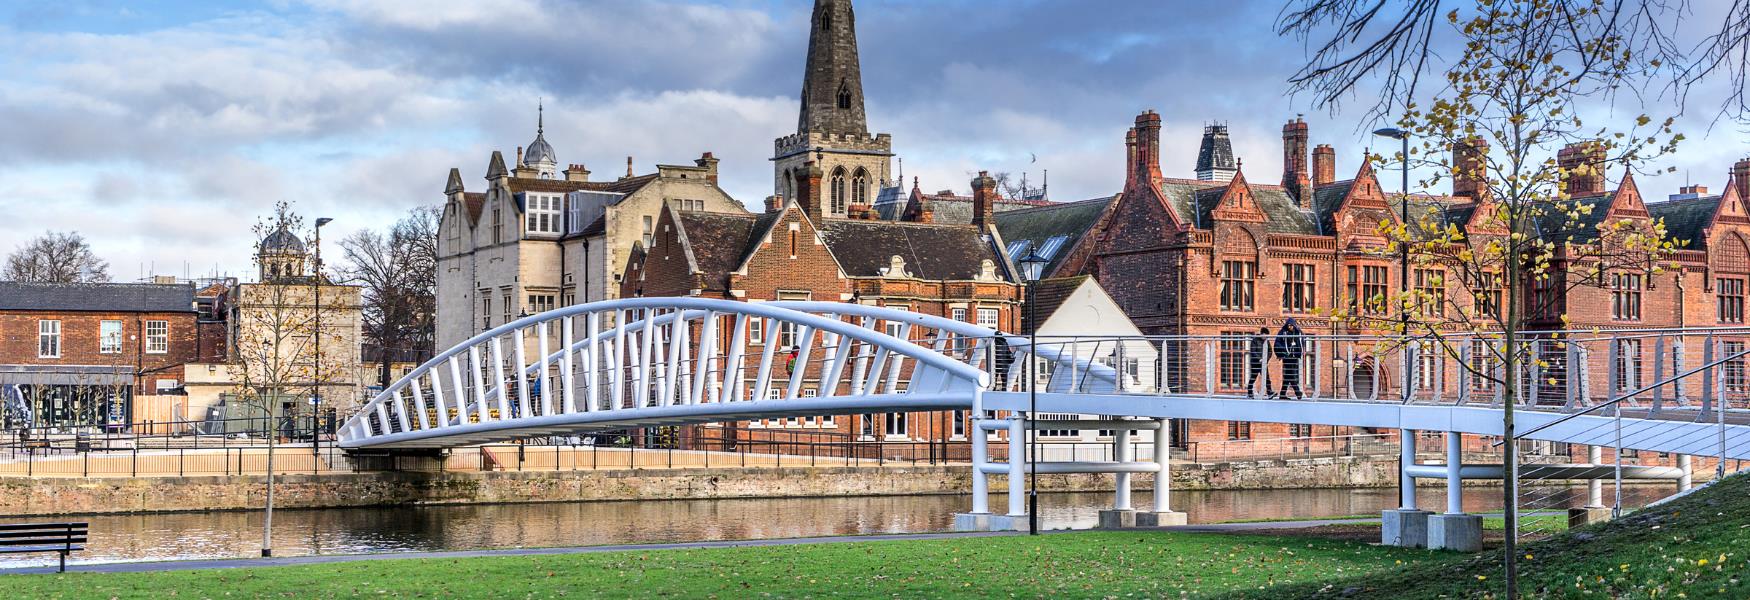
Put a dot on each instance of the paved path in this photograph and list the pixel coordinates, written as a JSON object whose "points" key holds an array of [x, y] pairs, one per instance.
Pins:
{"points": [[240, 563], [1231, 527]]}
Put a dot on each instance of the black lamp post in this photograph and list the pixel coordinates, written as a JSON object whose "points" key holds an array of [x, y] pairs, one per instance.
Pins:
{"points": [[316, 399], [1032, 266]]}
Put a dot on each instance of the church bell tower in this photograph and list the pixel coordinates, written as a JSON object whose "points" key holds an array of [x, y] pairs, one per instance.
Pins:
{"points": [[832, 132]]}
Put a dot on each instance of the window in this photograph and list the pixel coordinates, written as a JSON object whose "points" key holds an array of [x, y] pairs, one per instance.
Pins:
{"points": [[1367, 289], [1431, 292], [1484, 362], [1233, 359], [794, 235], [1628, 365], [838, 191], [1731, 300], [110, 337], [1543, 296], [497, 224], [507, 306], [485, 310], [1299, 430], [866, 428], [569, 299], [1297, 288], [543, 213], [958, 314], [1489, 295], [844, 95], [860, 188], [1427, 366], [1239, 430], [688, 205], [1734, 367], [540, 303], [959, 430], [48, 339], [1625, 296], [574, 214], [157, 337], [1058, 433], [1236, 285], [896, 425], [787, 334], [895, 328], [987, 317], [756, 330]]}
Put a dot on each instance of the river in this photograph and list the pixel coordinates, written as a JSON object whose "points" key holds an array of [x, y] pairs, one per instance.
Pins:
{"points": [[174, 536]]}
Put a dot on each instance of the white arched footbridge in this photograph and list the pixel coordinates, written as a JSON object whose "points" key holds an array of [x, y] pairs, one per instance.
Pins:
{"points": [[669, 361]]}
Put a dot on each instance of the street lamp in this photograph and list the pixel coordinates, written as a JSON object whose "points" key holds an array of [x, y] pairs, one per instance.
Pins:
{"points": [[316, 399], [1032, 266]]}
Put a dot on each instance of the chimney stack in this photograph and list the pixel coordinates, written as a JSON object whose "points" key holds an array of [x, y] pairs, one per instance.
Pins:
{"points": [[984, 198], [1130, 167], [1584, 164], [576, 173], [774, 203], [628, 166], [1469, 164], [1324, 165], [709, 162], [808, 196], [1148, 145], [1741, 178], [1295, 177]]}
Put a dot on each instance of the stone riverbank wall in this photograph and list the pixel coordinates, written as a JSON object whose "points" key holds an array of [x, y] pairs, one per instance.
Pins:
{"points": [[21, 496]]}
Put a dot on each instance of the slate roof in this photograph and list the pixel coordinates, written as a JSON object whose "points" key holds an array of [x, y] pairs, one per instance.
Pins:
{"points": [[623, 186], [947, 209], [935, 251], [1048, 296], [1216, 151], [718, 241], [1197, 199], [116, 297], [1685, 219], [1037, 225]]}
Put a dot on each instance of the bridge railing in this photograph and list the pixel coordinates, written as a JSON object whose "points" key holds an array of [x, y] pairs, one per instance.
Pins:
{"points": [[646, 353]]}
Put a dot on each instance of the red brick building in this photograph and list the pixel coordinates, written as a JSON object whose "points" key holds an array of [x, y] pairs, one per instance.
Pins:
{"points": [[82, 354]]}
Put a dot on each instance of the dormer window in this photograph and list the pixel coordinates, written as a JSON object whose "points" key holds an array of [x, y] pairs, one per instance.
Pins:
{"points": [[544, 214]]}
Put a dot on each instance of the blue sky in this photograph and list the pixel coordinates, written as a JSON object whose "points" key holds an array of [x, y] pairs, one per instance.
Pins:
{"points": [[162, 130]]}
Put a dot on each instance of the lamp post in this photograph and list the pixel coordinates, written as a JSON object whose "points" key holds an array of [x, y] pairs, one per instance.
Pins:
{"points": [[1032, 266], [316, 398], [1403, 247]]}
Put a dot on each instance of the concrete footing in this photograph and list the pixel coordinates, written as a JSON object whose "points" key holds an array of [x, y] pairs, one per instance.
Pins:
{"points": [[1117, 519], [1160, 519], [1460, 532], [1404, 528], [989, 522], [1587, 515]]}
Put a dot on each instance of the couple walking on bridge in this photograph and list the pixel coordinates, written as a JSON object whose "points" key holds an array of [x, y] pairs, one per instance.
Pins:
{"points": [[1289, 346]]}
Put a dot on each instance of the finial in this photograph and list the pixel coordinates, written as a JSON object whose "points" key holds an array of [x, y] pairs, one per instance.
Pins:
{"points": [[540, 116]]}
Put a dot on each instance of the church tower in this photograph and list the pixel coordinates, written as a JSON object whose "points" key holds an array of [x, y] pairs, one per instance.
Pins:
{"points": [[832, 133]]}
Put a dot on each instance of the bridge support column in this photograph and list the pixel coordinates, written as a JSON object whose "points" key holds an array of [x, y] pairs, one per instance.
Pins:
{"points": [[1595, 511], [1687, 464], [1121, 515], [1162, 515], [1017, 466], [980, 457], [1455, 530], [1406, 526]]}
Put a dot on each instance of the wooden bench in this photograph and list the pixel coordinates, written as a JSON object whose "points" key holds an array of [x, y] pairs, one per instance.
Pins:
{"points": [[63, 538]]}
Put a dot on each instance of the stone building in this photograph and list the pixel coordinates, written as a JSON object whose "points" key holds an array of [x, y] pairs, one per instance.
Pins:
{"points": [[538, 238], [90, 355]]}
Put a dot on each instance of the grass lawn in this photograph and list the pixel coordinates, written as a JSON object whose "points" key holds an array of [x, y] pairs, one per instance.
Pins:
{"points": [[1070, 565]]}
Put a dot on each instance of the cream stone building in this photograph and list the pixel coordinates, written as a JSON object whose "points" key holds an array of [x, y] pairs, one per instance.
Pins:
{"points": [[539, 238]]}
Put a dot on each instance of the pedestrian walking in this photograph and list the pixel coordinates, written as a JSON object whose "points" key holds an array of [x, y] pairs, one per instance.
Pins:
{"points": [[1290, 346], [1258, 360]]}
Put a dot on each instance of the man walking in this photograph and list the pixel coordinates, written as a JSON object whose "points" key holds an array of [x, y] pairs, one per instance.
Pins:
{"points": [[1257, 360], [1290, 346]]}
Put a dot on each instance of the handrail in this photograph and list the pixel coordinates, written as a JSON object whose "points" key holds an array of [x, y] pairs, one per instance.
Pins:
{"points": [[1614, 401]]}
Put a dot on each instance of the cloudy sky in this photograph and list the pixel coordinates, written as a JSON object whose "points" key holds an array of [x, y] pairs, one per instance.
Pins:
{"points": [[163, 130]]}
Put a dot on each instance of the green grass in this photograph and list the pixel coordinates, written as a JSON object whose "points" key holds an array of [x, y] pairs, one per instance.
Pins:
{"points": [[1074, 565], [1694, 547]]}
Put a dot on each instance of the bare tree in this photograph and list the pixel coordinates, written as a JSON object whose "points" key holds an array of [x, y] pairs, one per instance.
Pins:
{"points": [[56, 257], [398, 272], [1398, 45]]}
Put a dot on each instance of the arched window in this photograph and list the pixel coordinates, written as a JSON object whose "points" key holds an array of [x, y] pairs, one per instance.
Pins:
{"points": [[844, 95], [838, 191], [860, 187]]}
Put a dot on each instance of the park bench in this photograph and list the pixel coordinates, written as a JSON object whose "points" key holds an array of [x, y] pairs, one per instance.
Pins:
{"points": [[64, 538]]}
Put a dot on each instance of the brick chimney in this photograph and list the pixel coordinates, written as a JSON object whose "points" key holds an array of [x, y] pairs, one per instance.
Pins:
{"points": [[1324, 165], [1148, 145], [984, 198], [774, 203], [1584, 164], [808, 193], [575, 173], [1295, 177], [1469, 162], [709, 162], [1130, 167], [1741, 178]]}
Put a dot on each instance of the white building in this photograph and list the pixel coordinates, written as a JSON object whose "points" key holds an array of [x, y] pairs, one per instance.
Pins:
{"points": [[1078, 317]]}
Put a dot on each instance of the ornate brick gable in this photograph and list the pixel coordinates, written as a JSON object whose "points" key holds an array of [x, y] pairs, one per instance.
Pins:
{"points": [[1237, 203], [1626, 203]]}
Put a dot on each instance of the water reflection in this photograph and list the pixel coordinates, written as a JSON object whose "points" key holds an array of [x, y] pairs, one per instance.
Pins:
{"points": [[425, 528]]}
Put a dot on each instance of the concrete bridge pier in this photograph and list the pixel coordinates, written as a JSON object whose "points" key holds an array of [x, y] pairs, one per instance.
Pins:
{"points": [[1594, 511], [1454, 530], [1406, 526], [1163, 515]]}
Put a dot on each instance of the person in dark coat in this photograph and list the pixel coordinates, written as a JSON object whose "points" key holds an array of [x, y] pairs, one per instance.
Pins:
{"points": [[1289, 347], [1257, 360]]}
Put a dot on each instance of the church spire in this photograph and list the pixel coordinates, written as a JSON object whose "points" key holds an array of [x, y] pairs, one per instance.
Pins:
{"points": [[832, 86]]}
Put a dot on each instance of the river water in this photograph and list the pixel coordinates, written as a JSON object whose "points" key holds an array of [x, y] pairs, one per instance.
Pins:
{"points": [[173, 536]]}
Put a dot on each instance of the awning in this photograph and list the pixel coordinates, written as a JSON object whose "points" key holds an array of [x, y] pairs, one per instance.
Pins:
{"points": [[95, 375]]}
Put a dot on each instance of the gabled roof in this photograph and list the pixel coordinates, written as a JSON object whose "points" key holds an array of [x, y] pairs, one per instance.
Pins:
{"points": [[947, 208], [475, 202], [715, 242], [1197, 199], [943, 252], [1049, 295], [1036, 227], [102, 297], [1687, 220]]}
